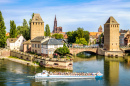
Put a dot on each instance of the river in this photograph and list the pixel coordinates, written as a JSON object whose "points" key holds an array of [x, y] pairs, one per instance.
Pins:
{"points": [[116, 73]]}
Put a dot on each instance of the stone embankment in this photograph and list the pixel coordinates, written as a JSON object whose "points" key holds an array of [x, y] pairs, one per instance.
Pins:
{"points": [[29, 59], [28, 63]]}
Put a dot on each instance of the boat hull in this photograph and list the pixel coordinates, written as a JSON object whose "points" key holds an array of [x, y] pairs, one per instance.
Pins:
{"points": [[67, 77]]}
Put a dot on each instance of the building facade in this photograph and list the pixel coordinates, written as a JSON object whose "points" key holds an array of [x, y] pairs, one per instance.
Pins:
{"points": [[45, 46], [37, 26], [111, 35], [16, 43], [123, 38], [56, 29]]}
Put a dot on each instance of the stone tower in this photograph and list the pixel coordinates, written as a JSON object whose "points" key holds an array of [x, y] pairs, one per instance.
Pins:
{"points": [[111, 35], [100, 29], [37, 26]]}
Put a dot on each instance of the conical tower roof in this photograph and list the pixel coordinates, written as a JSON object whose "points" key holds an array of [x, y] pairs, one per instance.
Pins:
{"points": [[37, 18], [111, 20], [100, 26]]}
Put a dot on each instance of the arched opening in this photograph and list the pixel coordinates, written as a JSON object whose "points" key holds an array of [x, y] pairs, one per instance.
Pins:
{"points": [[56, 64], [70, 64], [21, 57], [116, 56], [27, 59]]}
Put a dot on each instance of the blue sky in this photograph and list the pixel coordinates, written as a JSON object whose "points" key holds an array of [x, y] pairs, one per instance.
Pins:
{"points": [[71, 14]]}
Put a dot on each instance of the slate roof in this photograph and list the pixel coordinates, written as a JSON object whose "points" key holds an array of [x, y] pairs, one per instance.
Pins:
{"points": [[111, 20], [123, 31], [37, 18], [52, 41], [38, 39]]}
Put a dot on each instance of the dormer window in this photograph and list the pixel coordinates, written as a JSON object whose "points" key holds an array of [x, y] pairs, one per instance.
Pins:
{"points": [[11, 39]]}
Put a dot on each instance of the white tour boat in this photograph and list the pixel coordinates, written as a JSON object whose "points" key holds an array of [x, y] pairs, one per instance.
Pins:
{"points": [[46, 75]]}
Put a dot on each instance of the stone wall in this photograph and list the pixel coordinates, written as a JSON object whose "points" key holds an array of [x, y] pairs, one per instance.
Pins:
{"points": [[4, 52], [46, 62]]}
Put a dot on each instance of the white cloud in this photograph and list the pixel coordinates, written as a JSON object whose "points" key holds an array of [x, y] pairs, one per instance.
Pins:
{"points": [[87, 15]]}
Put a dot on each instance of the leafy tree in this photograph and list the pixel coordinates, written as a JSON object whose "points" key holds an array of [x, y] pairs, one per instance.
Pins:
{"points": [[47, 30], [24, 30], [81, 41], [86, 36], [31, 19], [80, 32], [63, 50], [13, 31], [2, 31], [57, 36]]}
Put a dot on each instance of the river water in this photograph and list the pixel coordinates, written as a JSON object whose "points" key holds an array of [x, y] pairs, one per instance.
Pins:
{"points": [[116, 73]]}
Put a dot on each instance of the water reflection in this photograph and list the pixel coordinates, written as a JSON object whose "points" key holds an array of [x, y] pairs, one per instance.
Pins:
{"points": [[15, 74], [111, 71]]}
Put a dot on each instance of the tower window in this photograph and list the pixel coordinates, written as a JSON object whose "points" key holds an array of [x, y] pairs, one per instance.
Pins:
{"points": [[111, 25], [33, 23], [41, 23], [36, 23]]}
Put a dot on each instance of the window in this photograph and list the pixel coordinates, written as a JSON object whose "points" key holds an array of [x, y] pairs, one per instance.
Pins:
{"points": [[38, 45], [23, 40], [42, 50], [46, 52], [42, 46], [19, 40], [49, 52], [27, 47], [46, 46], [35, 45], [32, 45]]}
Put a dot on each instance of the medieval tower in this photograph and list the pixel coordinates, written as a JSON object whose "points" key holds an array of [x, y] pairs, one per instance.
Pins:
{"points": [[111, 35], [37, 26], [100, 29]]}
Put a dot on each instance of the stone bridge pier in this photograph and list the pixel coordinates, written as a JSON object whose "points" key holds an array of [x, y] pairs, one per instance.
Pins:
{"points": [[75, 51]]}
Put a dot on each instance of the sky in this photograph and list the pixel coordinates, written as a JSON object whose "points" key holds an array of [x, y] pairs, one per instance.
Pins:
{"points": [[70, 14]]}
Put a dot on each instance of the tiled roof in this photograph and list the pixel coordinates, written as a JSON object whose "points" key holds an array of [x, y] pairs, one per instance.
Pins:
{"points": [[37, 18], [38, 39], [94, 33], [52, 41], [111, 20]]}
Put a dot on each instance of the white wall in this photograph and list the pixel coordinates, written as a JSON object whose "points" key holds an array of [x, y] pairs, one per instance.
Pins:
{"points": [[49, 49], [16, 45]]}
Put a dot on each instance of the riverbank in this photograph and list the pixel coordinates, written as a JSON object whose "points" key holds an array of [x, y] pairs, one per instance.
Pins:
{"points": [[28, 63]]}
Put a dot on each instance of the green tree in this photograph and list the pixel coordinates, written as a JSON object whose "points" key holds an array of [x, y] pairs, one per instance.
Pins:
{"points": [[24, 30], [31, 19], [80, 32], [81, 41], [2, 31], [47, 30], [13, 31], [63, 50], [86, 36], [57, 36]]}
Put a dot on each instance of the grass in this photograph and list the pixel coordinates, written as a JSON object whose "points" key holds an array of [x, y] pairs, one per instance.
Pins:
{"points": [[18, 58]]}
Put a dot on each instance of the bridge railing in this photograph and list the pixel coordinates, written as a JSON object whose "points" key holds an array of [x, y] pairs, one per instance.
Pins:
{"points": [[125, 46], [81, 47]]}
